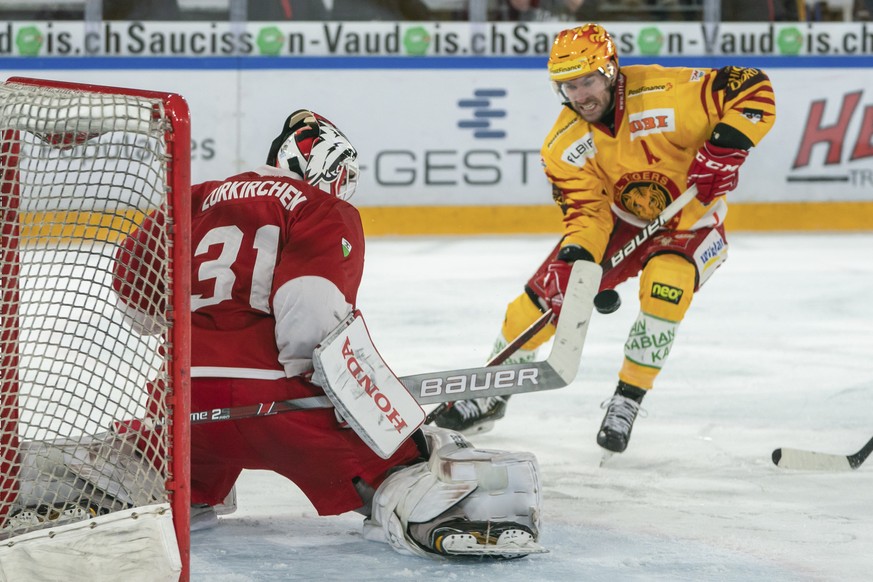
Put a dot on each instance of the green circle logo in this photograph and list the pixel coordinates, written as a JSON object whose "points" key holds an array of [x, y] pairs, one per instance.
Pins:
{"points": [[29, 41], [416, 40], [270, 40], [790, 41], [650, 40]]}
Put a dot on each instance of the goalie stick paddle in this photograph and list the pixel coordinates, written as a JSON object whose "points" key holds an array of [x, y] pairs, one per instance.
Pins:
{"points": [[556, 371], [797, 459]]}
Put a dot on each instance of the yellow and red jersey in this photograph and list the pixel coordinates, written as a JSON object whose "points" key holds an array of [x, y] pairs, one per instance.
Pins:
{"points": [[662, 117]]}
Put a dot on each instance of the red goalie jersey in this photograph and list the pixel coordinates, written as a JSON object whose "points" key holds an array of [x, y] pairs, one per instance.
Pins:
{"points": [[268, 282], [277, 257]]}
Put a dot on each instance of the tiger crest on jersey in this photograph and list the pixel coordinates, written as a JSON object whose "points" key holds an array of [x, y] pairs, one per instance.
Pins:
{"points": [[645, 194]]}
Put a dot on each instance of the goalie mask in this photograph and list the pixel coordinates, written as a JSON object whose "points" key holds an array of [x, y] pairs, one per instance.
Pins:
{"points": [[581, 51], [316, 150]]}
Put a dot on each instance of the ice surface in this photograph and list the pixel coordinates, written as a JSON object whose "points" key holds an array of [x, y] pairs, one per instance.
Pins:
{"points": [[777, 350]]}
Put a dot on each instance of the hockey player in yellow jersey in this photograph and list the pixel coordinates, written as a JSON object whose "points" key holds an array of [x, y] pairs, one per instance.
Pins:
{"points": [[626, 143]]}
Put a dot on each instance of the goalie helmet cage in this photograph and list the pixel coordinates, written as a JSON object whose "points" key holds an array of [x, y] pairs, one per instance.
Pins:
{"points": [[94, 407]]}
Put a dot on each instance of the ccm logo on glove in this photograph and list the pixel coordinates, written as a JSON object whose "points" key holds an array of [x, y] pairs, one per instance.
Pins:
{"points": [[715, 170]]}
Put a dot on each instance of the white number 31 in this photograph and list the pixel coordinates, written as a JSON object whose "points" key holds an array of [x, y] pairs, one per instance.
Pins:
{"points": [[230, 238]]}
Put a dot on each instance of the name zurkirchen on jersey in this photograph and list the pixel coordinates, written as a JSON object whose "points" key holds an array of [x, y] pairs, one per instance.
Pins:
{"points": [[479, 382], [289, 196]]}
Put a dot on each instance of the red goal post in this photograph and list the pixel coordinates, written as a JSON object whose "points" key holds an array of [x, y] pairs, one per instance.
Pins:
{"points": [[94, 407]]}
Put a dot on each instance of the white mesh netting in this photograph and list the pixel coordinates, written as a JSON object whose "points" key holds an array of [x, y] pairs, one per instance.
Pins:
{"points": [[83, 396]]}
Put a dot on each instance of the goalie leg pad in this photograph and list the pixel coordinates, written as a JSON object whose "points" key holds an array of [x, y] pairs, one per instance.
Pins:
{"points": [[105, 470], [440, 506]]}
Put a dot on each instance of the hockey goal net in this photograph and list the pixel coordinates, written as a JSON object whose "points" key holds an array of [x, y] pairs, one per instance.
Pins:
{"points": [[93, 403]]}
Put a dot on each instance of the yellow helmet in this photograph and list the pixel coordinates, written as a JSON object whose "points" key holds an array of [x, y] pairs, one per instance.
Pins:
{"points": [[582, 50]]}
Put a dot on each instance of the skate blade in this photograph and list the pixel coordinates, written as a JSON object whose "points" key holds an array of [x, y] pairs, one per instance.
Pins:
{"points": [[510, 544], [606, 456]]}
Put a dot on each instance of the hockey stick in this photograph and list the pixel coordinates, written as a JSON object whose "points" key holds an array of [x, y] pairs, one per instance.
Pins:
{"points": [[261, 409], [501, 356], [558, 370], [786, 458], [651, 228]]}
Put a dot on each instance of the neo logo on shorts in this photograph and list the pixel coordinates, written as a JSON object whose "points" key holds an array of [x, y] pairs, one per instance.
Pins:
{"points": [[666, 293], [479, 381]]}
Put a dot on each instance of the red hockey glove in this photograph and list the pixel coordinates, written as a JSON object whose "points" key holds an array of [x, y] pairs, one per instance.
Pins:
{"points": [[715, 170], [551, 284]]}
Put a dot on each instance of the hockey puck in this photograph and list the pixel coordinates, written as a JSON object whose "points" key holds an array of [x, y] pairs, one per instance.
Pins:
{"points": [[607, 301]]}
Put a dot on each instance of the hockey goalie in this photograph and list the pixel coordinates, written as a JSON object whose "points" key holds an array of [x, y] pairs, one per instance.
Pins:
{"points": [[278, 258]]}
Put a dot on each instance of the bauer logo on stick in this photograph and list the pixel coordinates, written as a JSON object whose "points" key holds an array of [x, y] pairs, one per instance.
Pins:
{"points": [[470, 384]]}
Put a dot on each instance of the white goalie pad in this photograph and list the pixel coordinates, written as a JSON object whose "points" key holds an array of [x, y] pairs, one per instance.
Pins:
{"points": [[365, 392], [104, 468], [459, 484]]}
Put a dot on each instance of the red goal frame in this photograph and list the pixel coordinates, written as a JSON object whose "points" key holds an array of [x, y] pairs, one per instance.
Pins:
{"points": [[178, 143]]}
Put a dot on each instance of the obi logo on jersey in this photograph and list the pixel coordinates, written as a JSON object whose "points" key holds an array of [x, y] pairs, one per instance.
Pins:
{"points": [[651, 121]]}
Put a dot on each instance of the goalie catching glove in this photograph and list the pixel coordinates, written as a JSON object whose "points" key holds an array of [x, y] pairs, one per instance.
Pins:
{"points": [[715, 170]]}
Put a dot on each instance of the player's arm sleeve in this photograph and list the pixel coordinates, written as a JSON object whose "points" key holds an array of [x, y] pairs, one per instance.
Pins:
{"points": [[583, 199], [316, 282], [742, 102], [139, 273]]}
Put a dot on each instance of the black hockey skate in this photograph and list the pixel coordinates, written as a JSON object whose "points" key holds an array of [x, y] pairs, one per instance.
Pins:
{"points": [[615, 430], [498, 539], [473, 416]]}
